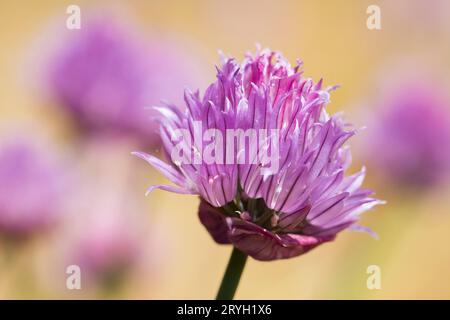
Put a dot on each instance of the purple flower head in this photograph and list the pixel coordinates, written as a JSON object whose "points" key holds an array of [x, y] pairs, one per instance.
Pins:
{"points": [[30, 189], [106, 76], [277, 196], [413, 132]]}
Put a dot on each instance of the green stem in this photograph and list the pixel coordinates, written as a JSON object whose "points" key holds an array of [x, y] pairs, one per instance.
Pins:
{"points": [[232, 275]]}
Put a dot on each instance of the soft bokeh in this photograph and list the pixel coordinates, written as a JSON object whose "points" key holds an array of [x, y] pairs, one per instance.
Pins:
{"points": [[179, 260], [410, 131], [32, 186], [106, 75]]}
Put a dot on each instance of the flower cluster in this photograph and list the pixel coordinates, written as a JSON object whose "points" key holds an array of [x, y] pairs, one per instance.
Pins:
{"points": [[267, 214]]}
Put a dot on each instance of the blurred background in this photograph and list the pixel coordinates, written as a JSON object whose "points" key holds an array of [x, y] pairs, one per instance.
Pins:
{"points": [[73, 107]]}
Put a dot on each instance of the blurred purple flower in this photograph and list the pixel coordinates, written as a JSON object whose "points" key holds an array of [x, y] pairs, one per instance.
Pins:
{"points": [[268, 214], [30, 189], [106, 76], [106, 248], [411, 138], [106, 236]]}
